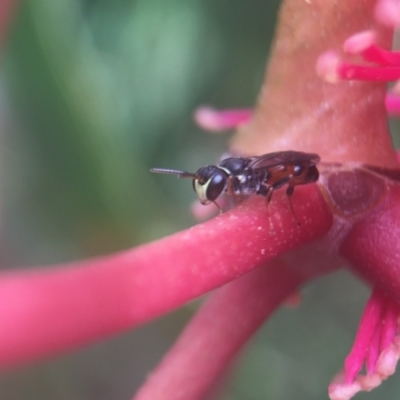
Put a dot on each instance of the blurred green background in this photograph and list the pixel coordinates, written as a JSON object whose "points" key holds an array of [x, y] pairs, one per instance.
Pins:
{"points": [[93, 94]]}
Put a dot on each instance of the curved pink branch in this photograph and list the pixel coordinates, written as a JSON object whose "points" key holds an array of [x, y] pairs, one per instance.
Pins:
{"points": [[47, 311], [218, 331]]}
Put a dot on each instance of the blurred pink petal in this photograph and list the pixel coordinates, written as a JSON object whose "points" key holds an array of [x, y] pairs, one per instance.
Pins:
{"points": [[392, 102], [387, 12], [213, 120]]}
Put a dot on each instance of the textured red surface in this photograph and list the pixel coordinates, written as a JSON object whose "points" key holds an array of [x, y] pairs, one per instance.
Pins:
{"points": [[46, 311], [373, 245]]}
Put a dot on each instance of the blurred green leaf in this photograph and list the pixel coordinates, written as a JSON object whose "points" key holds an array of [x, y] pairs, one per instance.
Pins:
{"points": [[95, 93]]}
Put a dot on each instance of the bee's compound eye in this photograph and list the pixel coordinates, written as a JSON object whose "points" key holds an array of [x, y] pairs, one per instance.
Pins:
{"points": [[210, 183], [215, 185]]}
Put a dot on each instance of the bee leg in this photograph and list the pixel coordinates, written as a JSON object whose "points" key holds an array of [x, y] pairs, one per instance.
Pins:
{"points": [[266, 191], [218, 206], [289, 193], [268, 197], [237, 198], [230, 190], [229, 186]]}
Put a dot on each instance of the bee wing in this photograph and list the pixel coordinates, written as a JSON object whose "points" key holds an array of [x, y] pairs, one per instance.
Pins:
{"points": [[283, 157]]}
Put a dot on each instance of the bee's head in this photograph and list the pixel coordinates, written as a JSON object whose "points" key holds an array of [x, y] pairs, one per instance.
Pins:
{"points": [[209, 182]]}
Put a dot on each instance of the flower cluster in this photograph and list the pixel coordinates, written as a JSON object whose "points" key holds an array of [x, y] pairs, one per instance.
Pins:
{"points": [[377, 345]]}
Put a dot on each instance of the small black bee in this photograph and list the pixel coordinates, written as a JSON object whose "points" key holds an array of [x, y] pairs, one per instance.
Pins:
{"points": [[241, 176]]}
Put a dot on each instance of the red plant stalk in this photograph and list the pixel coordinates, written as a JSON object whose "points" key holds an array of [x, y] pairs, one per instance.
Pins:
{"points": [[343, 123], [47, 311], [239, 308]]}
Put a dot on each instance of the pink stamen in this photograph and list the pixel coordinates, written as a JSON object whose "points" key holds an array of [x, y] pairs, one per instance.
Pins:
{"points": [[376, 344], [363, 43], [369, 382], [387, 362], [359, 42], [389, 326], [214, 120], [332, 69], [366, 73], [368, 324], [381, 56], [339, 391], [373, 350]]}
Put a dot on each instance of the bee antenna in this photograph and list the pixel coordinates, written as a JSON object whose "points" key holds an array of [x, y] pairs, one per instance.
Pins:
{"points": [[181, 174]]}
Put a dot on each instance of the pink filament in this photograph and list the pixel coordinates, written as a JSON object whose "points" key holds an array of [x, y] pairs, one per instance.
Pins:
{"points": [[366, 73], [380, 56], [368, 325]]}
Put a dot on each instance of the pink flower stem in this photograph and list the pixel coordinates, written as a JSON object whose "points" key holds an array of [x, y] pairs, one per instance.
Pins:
{"points": [[47, 311], [216, 333]]}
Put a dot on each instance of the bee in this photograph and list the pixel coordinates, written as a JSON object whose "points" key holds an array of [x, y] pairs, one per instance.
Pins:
{"points": [[243, 176]]}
